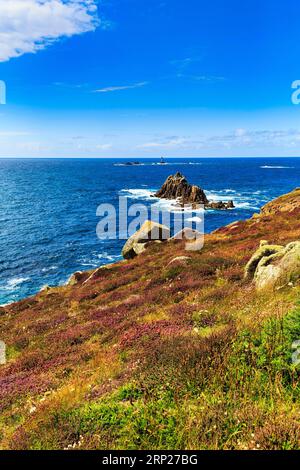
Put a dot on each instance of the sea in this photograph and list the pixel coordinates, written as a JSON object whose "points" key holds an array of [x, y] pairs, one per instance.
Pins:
{"points": [[48, 211]]}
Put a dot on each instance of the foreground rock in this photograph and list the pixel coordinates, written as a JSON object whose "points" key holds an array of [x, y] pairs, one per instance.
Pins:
{"points": [[150, 232], [75, 278], [177, 187], [274, 266], [180, 261], [265, 250]]}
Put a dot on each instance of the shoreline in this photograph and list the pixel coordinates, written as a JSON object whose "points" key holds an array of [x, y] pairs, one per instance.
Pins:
{"points": [[117, 343], [248, 201], [64, 283]]}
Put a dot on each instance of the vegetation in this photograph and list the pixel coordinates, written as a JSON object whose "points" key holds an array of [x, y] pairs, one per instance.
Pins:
{"points": [[150, 356]]}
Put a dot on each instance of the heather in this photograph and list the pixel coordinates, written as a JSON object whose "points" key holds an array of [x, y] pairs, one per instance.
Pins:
{"points": [[150, 355]]}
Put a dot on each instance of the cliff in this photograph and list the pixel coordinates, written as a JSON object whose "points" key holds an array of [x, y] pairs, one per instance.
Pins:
{"points": [[169, 350]]}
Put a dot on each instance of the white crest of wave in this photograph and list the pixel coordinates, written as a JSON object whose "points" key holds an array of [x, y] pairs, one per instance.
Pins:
{"points": [[277, 167], [15, 282]]}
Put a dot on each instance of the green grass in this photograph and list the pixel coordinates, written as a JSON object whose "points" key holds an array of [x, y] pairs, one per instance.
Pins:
{"points": [[186, 404], [148, 356]]}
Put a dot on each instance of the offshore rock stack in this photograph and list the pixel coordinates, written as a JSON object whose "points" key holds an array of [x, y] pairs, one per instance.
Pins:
{"points": [[177, 187]]}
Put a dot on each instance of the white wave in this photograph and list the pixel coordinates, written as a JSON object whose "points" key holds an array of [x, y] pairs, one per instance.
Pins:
{"points": [[230, 191], [158, 164], [218, 195], [51, 268], [174, 163], [277, 167], [247, 200], [8, 303], [108, 257], [15, 282], [94, 262], [241, 201], [93, 265], [138, 193]]}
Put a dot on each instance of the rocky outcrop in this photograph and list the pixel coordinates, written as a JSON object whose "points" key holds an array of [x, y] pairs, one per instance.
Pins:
{"points": [[286, 203], [150, 232], [274, 266], [75, 278], [220, 205], [177, 187], [264, 250], [179, 261]]}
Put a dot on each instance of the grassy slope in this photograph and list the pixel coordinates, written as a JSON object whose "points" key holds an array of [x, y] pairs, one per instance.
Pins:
{"points": [[148, 356]]}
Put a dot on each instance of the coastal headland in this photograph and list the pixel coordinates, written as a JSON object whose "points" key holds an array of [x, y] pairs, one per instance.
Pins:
{"points": [[167, 350]]}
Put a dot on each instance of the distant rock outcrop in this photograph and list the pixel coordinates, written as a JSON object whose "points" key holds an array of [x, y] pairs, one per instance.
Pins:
{"points": [[220, 205], [150, 232], [177, 187]]}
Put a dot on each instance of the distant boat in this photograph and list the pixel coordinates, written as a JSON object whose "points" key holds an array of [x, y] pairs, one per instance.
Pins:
{"points": [[162, 161]]}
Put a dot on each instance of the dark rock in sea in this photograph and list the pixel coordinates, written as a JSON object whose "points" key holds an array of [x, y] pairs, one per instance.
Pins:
{"points": [[177, 187], [220, 205]]}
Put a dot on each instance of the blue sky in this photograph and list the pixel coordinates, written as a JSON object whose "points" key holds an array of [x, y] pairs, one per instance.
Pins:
{"points": [[137, 78]]}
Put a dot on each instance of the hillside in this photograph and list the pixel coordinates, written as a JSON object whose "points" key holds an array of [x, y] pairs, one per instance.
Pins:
{"points": [[152, 353]]}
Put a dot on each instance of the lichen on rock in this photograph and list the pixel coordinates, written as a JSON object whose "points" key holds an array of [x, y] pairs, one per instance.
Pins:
{"points": [[264, 250], [274, 266]]}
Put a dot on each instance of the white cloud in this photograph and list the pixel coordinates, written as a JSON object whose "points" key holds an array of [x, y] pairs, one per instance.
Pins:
{"points": [[200, 78], [27, 26], [104, 146], [120, 88], [169, 143], [240, 132], [13, 133]]}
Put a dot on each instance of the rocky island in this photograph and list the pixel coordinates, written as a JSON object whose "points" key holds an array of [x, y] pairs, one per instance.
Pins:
{"points": [[164, 351], [177, 187]]}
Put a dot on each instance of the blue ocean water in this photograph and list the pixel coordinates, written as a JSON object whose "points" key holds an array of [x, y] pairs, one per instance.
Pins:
{"points": [[48, 208]]}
